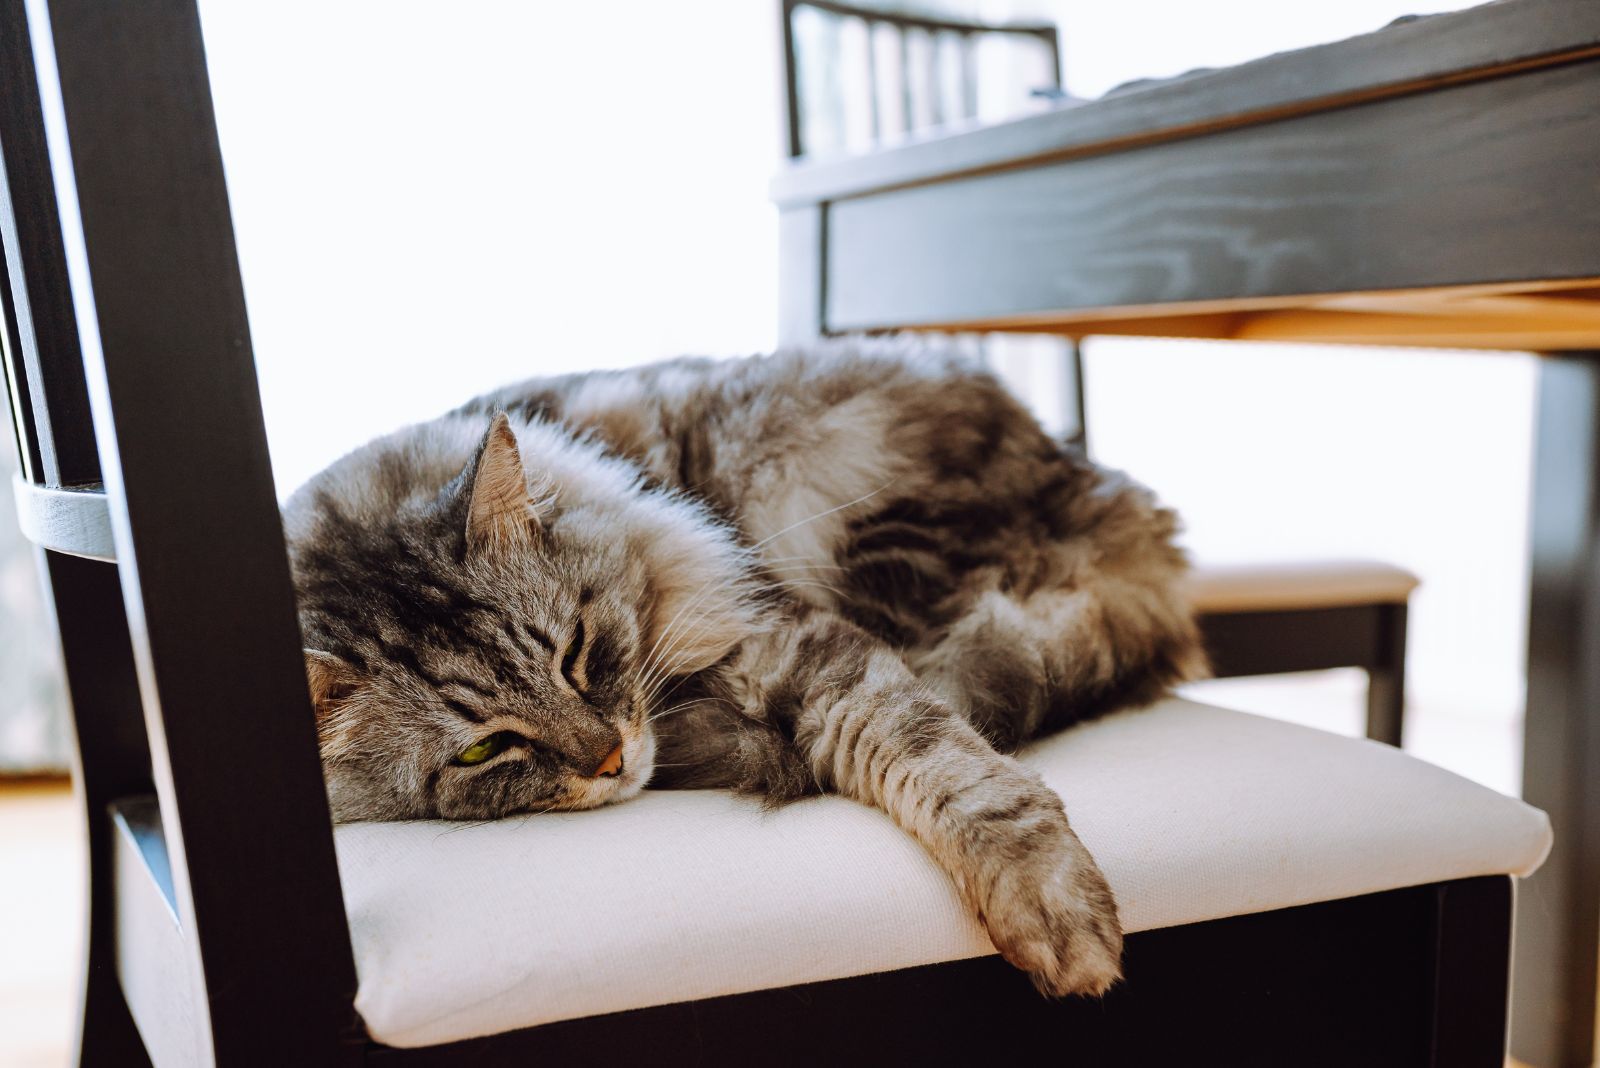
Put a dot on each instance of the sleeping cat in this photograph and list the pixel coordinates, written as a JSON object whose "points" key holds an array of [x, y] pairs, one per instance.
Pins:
{"points": [[860, 568]]}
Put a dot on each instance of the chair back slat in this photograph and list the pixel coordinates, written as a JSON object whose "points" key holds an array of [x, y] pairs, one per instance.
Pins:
{"points": [[120, 250], [967, 45], [43, 365], [875, 109], [838, 100]]}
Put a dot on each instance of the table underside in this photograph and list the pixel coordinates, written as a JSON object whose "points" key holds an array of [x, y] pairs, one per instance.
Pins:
{"points": [[1518, 317]]}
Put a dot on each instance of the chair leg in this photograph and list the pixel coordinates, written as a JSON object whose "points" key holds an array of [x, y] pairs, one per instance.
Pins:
{"points": [[1386, 679], [107, 1037], [113, 761]]}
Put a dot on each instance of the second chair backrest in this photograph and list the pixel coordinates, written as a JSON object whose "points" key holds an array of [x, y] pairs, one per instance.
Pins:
{"points": [[857, 76]]}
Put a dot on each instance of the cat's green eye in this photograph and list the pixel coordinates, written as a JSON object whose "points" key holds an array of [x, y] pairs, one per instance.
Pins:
{"points": [[482, 750]]}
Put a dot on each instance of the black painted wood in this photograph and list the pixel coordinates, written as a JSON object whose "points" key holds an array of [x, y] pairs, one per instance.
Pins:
{"points": [[111, 759], [40, 322], [1367, 636], [1471, 975], [18, 396], [1359, 981], [1386, 678], [200, 547], [1558, 909], [792, 133], [1480, 42], [1427, 190], [111, 756], [1272, 642]]}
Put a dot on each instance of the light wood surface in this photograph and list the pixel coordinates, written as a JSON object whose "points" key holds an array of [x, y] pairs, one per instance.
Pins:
{"points": [[1522, 317], [41, 921]]}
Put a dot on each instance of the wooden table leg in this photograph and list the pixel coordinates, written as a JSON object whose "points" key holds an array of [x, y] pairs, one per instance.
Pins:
{"points": [[1558, 910]]}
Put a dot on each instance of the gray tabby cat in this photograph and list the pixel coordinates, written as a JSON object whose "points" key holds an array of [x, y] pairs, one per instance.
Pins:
{"points": [[861, 569]]}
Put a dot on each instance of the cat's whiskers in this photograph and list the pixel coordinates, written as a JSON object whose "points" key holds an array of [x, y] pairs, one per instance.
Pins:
{"points": [[690, 704], [802, 559], [800, 583], [800, 567], [652, 663], [653, 679], [824, 513], [655, 661], [663, 688], [474, 825], [680, 636], [787, 578]]}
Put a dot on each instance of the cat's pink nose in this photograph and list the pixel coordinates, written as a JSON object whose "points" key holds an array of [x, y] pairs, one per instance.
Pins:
{"points": [[611, 766]]}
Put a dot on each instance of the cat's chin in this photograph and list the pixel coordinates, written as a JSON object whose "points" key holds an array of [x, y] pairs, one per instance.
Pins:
{"points": [[638, 764]]}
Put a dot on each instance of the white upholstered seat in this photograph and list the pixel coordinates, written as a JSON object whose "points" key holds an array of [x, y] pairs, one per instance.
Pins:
{"points": [[1266, 587], [1194, 813]]}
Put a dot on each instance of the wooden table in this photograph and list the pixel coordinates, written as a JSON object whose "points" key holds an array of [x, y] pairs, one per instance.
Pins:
{"points": [[1435, 184]]}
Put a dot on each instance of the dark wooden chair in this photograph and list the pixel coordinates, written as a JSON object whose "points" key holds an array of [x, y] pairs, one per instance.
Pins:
{"points": [[1258, 620], [217, 929]]}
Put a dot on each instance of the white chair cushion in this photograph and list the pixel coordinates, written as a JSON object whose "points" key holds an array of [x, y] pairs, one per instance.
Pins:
{"points": [[1194, 813], [1280, 586]]}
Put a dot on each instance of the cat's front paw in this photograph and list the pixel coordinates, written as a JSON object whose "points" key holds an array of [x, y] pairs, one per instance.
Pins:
{"points": [[1052, 915]]}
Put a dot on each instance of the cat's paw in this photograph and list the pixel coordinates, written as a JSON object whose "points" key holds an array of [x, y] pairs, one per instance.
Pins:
{"points": [[1052, 915]]}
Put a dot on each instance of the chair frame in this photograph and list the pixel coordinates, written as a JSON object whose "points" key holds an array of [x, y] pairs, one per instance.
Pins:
{"points": [[217, 933]]}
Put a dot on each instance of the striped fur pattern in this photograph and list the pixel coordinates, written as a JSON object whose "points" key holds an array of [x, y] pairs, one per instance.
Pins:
{"points": [[858, 568]]}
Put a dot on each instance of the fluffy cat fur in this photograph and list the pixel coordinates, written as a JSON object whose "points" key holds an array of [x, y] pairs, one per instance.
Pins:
{"points": [[859, 568]]}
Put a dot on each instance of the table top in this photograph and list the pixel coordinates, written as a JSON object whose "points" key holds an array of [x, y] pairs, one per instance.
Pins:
{"points": [[1431, 183]]}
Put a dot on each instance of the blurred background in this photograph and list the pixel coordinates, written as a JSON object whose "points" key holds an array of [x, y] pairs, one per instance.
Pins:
{"points": [[431, 200]]}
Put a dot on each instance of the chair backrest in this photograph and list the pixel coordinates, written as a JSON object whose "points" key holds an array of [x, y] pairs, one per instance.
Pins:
{"points": [[857, 75], [147, 486]]}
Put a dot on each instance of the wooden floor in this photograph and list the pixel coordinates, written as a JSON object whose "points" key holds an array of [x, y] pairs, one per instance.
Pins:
{"points": [[40, 902]]}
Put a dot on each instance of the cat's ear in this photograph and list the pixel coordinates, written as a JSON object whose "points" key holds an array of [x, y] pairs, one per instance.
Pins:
{"points": [[502, 512], [331, 680]]}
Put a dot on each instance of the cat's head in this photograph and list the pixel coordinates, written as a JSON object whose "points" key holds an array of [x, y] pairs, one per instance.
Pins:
{"points": [[492, 615]]}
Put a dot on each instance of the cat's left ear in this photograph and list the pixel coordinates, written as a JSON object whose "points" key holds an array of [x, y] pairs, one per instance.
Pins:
{"points": [[332, 681], [502, 512]]}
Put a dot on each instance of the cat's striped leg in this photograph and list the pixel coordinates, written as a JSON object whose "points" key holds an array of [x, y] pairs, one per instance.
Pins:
{"points": [[1021, 666], [873, 732]]}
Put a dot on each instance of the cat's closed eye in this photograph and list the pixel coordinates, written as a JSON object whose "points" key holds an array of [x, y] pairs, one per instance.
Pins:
{"points": [[569, 660]]}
